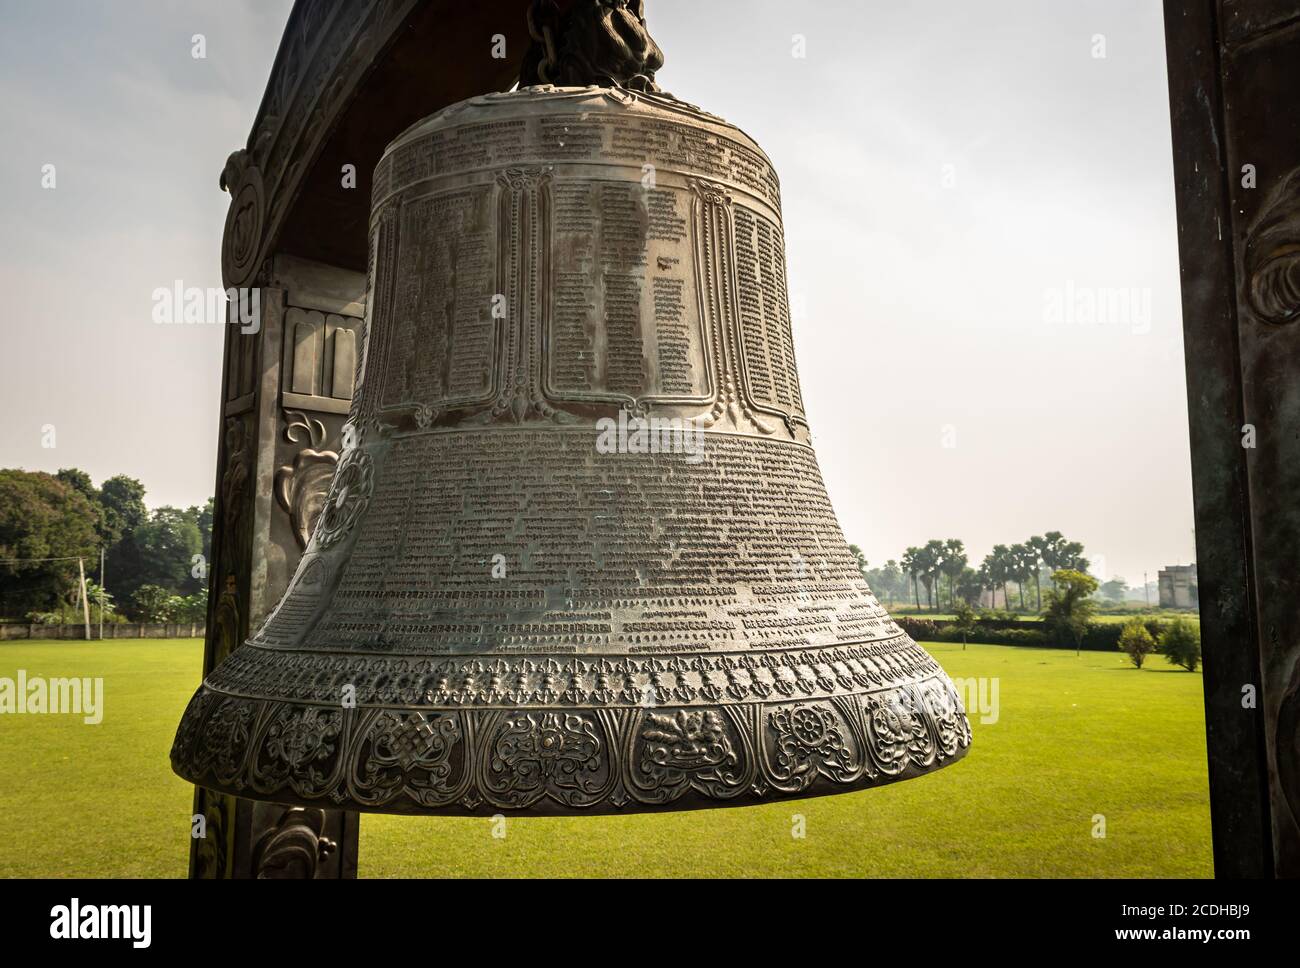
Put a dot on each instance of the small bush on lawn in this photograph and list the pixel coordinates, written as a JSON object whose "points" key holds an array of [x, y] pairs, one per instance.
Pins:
{"points": [[1136, 642], [1181, 644]]}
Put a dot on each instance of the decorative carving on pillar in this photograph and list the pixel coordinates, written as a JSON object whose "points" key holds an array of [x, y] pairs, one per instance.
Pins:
{"points": [[294, 848], [301, 487], [234, 483], [245, 221], [1273, 255]]}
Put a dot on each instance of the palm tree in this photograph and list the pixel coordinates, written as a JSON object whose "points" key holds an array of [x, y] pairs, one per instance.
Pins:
{"points": [[1041, 547], [986, 580], [930, 564], [1060, 553], [954, 563], [1000, 570], [860, 559], [911, 567], [1024, 562]]}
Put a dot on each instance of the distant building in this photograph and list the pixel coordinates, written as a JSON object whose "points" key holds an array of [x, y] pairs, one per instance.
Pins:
{"points": [[1178, 587]]}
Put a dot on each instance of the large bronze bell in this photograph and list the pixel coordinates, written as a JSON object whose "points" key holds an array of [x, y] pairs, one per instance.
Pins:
{"points": [[577, 555]]}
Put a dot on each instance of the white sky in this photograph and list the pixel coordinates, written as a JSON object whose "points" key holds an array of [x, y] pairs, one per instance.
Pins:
{"points": [[920, 308]]}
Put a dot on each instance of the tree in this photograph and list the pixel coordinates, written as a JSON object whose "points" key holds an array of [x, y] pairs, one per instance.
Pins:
{"points": [[41, 517], [1069, 605], [891, 579], [1114, 590], [1135, 641], [1063, 554], [122, 498], [886, 581], [953, 562], [966, 617], [68, 611], [123, 501], [189, 608], [1181, 643], [1023, 564], [1040, 548], [928, 563], [911, 565], [162, 550], [860, 558], [151, 603], [970, 586], [203, 518], [1000, 572]]}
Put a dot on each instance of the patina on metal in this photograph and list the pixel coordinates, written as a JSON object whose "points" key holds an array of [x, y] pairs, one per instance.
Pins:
{"points": [[1233, 69], [577, 555]]}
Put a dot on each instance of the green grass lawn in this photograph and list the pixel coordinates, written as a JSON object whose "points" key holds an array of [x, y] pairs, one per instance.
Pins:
{"points": [[1075, 737]]}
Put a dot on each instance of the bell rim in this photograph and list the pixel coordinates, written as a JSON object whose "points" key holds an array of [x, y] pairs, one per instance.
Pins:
{"points": [[787, 749]]}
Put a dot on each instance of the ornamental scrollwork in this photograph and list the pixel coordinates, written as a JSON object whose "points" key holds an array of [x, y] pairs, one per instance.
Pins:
{"points": [[302, 486], [561, 756], [678, 750]]}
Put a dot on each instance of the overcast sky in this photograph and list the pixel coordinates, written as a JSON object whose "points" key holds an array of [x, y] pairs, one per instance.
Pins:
{"points": [[956, 177]]}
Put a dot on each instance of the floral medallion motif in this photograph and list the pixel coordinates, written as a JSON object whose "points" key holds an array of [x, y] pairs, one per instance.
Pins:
{"points": [[808, 740], [348, 498]]}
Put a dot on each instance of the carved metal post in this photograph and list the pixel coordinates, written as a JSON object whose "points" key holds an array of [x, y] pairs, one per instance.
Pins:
{"points": [[1234, 67], [347, 79]]}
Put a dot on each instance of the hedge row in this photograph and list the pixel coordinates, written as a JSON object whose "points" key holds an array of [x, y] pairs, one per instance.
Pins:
{"points": [[1100, 636]]}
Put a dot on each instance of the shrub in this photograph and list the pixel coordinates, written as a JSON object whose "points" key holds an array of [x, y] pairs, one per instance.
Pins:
{"points": [[1181, 644], [151, 603], [920, 629], [1136, 642]]}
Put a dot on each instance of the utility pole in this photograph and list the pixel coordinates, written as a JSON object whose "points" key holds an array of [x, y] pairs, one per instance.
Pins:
{"points": [[101, 593], [85, 599]]}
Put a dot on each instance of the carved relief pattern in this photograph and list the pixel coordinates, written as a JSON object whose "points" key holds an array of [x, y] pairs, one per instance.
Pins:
{"points": [[407, 754], [809, 739], [500, 681], [564, 756], [615, 295], [1273, 255], [680, 750], [301, 487], [348, 498], [482, 761]]}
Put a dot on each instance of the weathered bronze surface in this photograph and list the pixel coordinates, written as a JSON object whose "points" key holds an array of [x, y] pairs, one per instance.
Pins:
{"points": [[1234, 66], [516, 599]]}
